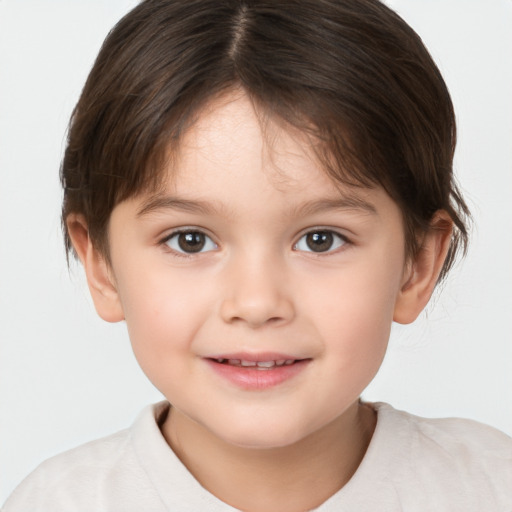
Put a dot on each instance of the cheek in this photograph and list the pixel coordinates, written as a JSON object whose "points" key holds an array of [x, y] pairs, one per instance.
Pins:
{"points": [[353, 312], [362, 294], [162, 313]]}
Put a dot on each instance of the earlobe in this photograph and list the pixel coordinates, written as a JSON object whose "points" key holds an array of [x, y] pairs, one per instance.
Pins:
{"points": [[97, 270], [423, 272]]}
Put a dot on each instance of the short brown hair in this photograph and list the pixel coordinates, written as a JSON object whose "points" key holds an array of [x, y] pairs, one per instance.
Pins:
{"points": [[350, 72]]}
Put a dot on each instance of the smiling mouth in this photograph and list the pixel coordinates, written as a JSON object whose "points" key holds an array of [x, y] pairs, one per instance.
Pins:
{"points": [[257, 365], [257, 372]]}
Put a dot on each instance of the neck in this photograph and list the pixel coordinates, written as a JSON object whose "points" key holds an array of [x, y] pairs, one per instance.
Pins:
{"points": [[285, 479]]}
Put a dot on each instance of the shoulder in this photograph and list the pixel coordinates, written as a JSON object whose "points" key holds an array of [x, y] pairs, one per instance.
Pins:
{"points": [[449, 436], [454, 458], [84, 478], [92, 458]]}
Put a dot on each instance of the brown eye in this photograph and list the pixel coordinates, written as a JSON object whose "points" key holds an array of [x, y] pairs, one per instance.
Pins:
{"points": [[320, 241], [190, 242]]}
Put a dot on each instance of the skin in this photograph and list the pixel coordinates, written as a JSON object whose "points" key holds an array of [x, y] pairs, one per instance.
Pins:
{"points": [[258, 287]]}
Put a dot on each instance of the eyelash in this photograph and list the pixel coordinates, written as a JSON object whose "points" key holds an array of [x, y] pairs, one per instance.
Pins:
{"points": [[183, 254], [336, 238], [342, 240]]}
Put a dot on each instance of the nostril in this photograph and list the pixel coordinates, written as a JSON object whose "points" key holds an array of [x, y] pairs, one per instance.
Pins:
{"points": [[254, 316], [256, 301]]}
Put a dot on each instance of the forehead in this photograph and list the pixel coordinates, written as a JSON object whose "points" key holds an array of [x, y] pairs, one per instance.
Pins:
{"points": [[234, 153], [235, 140], [232, 132]]}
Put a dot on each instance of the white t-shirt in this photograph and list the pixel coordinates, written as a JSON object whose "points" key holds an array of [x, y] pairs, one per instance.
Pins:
{"points": [[412, 464]]}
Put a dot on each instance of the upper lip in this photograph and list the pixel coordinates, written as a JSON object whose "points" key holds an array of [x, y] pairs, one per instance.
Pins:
{"points": [[256, 357]]}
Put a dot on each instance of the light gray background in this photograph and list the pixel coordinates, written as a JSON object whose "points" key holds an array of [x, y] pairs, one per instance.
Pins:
{"points": [[66, 377]]}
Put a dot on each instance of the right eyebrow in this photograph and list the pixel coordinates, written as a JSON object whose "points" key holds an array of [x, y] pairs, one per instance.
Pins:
{"points": [[161, 202]]}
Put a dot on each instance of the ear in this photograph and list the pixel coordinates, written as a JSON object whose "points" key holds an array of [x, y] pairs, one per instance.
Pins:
{"points": [[97, 270], [423, 272]]}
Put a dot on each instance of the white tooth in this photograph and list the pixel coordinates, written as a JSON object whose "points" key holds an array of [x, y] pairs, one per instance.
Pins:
{"points": [[234, 362], [266, 364], [280, 362], [289, 361], [220, 360], [248, 363]]}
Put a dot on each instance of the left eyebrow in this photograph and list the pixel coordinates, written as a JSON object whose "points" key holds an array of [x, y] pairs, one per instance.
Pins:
{"points": [[338, 203]]}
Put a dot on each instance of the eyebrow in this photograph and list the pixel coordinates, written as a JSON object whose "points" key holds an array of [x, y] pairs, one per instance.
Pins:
{"points": [[349, 202], [161, 202]]}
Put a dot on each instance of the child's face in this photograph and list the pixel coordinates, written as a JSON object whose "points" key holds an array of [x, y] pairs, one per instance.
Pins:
{"points": [[287, 267]]}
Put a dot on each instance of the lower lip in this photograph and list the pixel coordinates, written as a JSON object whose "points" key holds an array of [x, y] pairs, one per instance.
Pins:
{"points": [[251, 378]]}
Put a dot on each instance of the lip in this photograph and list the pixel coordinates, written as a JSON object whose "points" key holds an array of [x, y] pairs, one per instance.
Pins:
{"points": [[255, 378], [256, 357]]}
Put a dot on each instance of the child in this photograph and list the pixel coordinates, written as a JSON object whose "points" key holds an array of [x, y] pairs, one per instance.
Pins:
{"points": [[259, 189]]}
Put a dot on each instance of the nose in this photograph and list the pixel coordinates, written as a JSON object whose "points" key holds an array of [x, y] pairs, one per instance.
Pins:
{"points": [[257, 294]]}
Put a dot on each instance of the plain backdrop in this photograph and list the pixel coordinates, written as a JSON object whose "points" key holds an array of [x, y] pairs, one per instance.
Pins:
{"points": [[66, 377]]}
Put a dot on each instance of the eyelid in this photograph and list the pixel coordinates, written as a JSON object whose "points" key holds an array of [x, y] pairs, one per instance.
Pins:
{"points": [[187, 229], [318, 229]]}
